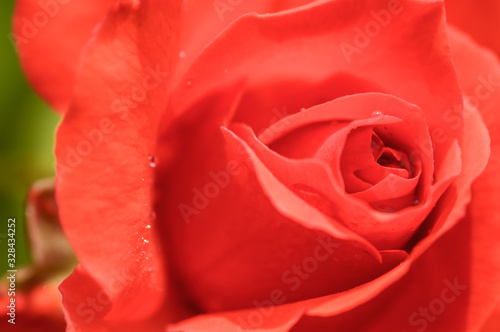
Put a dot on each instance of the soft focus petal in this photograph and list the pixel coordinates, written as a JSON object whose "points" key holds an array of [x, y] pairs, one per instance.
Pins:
{"points": [[86, 305], [480, 21], [479, 75], [493, 322], [106, 156], [212, 17], [36, 310], [50, 42]]}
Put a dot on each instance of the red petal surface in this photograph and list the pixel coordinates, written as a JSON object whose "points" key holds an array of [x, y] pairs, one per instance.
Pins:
{"points": [[105, 154], [50, 44], [479, 21], [203, 20]]}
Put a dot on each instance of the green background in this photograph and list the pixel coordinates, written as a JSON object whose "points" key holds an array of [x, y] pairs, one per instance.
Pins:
{"points": [[27, 129]]}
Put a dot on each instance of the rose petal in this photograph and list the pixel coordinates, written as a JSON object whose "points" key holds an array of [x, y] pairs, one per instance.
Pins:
{"points": [[480, 22], [105, 156], [493, 322], [212, 17], [476, 67], [37, 309], [86, 305], [289, 204], [278, 321], [49, 55]]}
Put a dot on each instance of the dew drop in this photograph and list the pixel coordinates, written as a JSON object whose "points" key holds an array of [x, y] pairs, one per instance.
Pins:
{"points": [[152, 161], [225, 70], [188, 83], [302, 109], [147, 226], [416, 202], [182, 54], [377, 114]]}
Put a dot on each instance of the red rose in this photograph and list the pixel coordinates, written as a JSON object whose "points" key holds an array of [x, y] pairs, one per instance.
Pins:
{"points": [[308, 170]]}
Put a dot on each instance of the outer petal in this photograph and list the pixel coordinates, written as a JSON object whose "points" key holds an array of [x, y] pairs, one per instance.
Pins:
{"points": [[480, 21], [479, 74], [50, 42], [36, 310], [105, 158], [212, 17], [493, 322], [87, 304]]}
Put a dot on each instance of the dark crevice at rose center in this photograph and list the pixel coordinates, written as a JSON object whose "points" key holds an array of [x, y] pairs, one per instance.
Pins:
{"points": [[393, 161]]}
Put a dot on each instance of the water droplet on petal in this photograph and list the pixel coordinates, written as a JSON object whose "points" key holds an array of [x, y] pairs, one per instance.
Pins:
{"points": [[147, 226], [416, 202], [225, 70], [152, 161], [377, 114], [182, 54], [302, 109], [188, 83]]}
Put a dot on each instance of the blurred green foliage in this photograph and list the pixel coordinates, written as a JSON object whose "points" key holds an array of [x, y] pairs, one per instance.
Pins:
{"points": [[27, 129]]}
